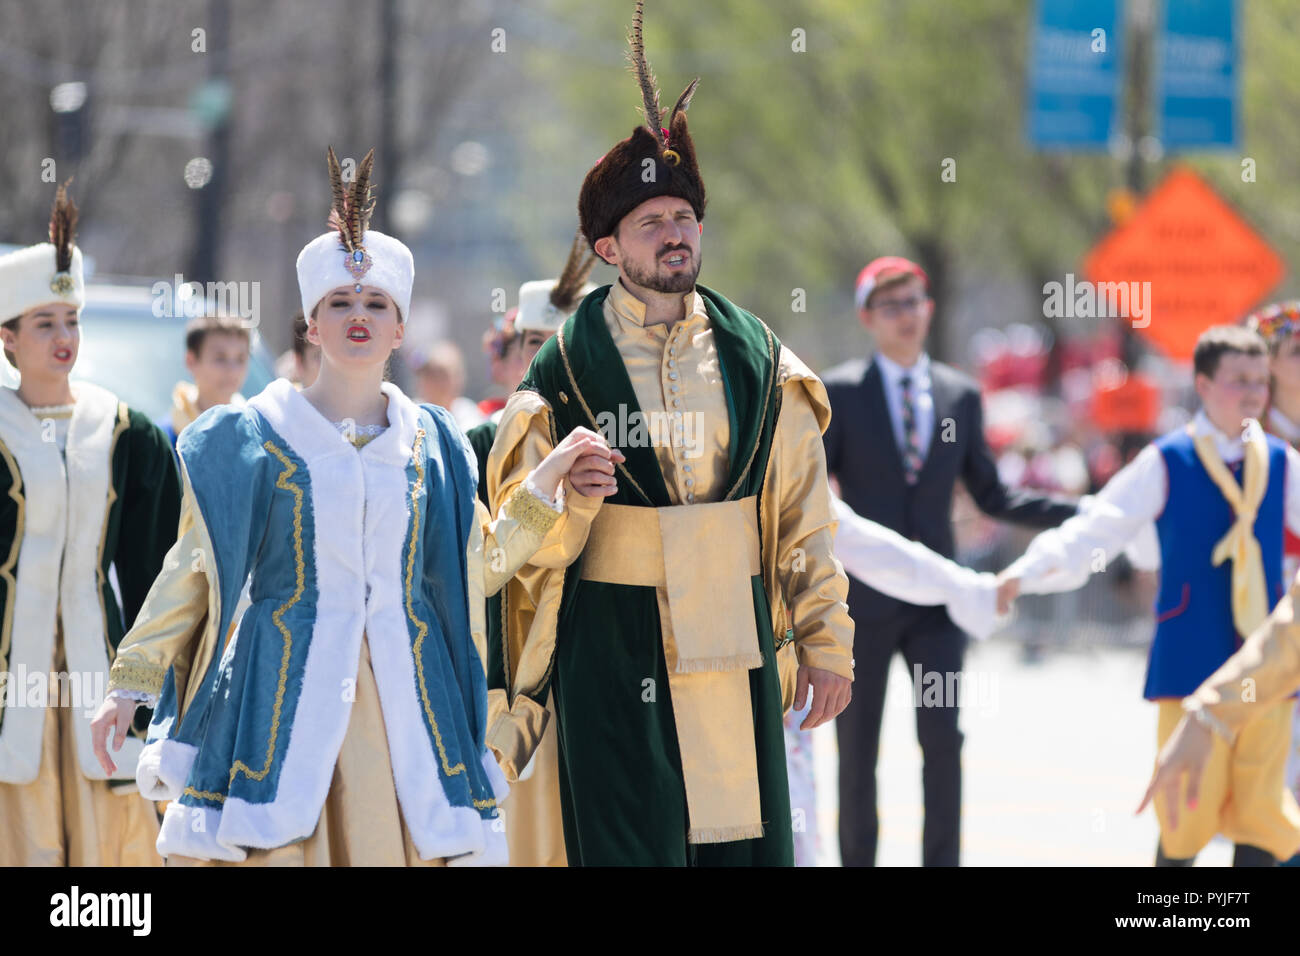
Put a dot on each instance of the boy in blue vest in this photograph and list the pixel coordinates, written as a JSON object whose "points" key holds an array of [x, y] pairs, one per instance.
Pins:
{"points": [[1219, 492]]}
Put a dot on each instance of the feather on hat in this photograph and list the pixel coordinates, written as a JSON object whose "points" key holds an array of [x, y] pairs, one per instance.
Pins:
{"points": [[654, 161], [351, 253], [48, 271], [544, 304]]}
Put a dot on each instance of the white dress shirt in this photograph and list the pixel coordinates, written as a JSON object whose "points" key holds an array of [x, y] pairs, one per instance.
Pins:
{"points": [[911, 572], [1283, 427], [1063, 558], [922, 401]]}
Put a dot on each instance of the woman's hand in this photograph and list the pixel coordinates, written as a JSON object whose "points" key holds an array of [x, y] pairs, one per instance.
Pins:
{"points": [[1187, 752], [588, 461], [1008, 591], [112, 719]]}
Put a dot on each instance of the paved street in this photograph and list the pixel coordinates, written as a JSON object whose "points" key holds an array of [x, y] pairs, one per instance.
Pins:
{"points": [[1056, 757]]}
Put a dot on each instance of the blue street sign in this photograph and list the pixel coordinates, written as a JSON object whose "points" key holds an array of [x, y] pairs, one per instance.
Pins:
{"points": [[1074, 74], [1198, 79]]}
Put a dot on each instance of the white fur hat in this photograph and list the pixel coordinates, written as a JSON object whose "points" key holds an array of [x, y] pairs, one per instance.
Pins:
{"points": [[537, 311], [324, 264], [30, 277]]}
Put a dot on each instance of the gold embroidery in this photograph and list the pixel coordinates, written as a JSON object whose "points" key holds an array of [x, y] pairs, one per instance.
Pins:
{"points": [[422, 629], [282, 482], [7, 569], [127, 674], [531, 512], [204, 794]]}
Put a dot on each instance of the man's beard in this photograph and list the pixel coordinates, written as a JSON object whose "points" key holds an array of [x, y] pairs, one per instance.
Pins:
{"points": [[672, 282]]}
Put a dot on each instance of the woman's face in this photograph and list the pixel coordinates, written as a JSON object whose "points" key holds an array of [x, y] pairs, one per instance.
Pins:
{"points": [[46, 340], [1285, 366], [355, 329]]}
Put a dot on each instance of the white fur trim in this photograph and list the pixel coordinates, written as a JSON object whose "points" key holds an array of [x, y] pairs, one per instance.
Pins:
{"points": [[37, 574], [536, 312], [25, 277], [322, 266], [437, 829], [163, 768], [64, 512], [496, 776], [193, 832], [89, 451], [496, 849], [321, 718], [345, 561]]}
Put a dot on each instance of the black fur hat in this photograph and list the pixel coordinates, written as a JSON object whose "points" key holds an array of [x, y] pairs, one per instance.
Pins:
{"points": [[622, 179]]}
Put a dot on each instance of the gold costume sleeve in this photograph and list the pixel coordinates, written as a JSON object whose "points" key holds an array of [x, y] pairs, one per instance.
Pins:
{"points": [[497, 549], [812, 583], [516, 720], [174, 617], [1262, 672]]}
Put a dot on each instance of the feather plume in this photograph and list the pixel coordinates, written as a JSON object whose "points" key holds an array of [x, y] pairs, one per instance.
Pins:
{"points": [[63, 228], [564, 296], [683, 102], [352, 204], [644, 77]]}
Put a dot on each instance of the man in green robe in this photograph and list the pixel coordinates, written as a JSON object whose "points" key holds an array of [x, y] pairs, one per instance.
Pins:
{"points": [[694, 594]]}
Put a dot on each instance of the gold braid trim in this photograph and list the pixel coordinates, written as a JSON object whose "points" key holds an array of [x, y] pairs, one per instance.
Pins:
{"points": [[128, 674], [422, 629], [277, 617], [531, 512]]}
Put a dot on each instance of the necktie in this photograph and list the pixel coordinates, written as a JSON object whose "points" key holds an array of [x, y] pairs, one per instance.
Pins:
{"points": [[911, 449]]}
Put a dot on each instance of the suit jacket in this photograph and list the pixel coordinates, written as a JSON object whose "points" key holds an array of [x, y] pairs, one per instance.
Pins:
{"points": [[862, 452]]}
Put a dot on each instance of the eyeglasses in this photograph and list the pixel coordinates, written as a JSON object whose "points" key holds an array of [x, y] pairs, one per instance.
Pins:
{"points": [[894, 307]]}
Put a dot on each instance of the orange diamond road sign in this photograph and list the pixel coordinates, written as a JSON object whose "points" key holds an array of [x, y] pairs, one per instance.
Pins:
{"points": [[1205, 264]]}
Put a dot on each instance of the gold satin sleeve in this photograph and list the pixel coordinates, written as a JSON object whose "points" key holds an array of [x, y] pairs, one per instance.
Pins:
{"points": [[523, 440], [813, 588], [516, 721], [174, 616], [506, 544], [1265, 669], [497, 549]]}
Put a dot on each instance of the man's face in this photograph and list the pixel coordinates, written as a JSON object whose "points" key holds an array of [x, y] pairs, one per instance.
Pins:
{"points": [[656, 246], [221, 366], [1238, 390], [899, 317]]}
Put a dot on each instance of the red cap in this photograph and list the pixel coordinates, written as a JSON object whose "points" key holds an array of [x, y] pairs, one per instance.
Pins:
{"points": [[882, 268]]}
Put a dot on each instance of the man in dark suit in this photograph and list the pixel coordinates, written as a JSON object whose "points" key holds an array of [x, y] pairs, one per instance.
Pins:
{"points": [[903, 429]]}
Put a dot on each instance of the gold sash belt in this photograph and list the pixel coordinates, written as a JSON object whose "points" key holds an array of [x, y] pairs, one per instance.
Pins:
{"points": [[700, 559]]}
